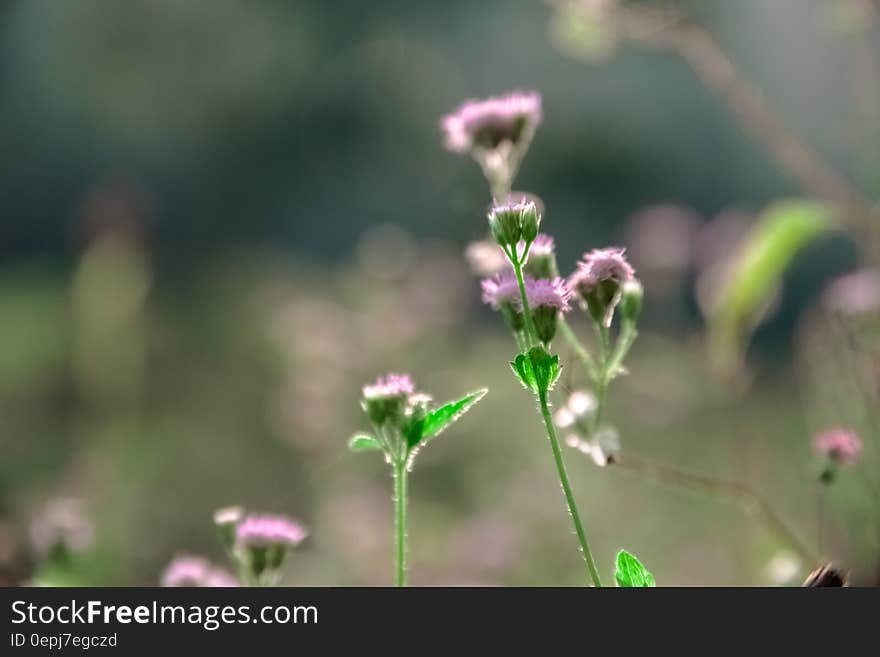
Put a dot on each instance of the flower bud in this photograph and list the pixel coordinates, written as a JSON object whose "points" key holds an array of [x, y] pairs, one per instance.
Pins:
{"points": [[226, 520], [386, 399], [546, 319], [530, 222], [511, 222], [631, 296], [504, 223]]}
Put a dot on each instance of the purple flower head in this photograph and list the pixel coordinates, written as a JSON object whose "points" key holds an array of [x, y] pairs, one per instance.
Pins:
{"points": [[195, 571], [502, 290], [269, 531], [387, 400], [598, 281], [553, 293], [543, 246], [490, 122], [840, 445], [541, 262], [601, 265], [392, 385]]}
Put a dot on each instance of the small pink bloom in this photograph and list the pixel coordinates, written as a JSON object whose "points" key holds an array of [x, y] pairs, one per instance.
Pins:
{"points": [[840, 445], [392, 385], [601, 265], [548, 292], [500, 289], [269, 530], [195, 571], [489, 122]]}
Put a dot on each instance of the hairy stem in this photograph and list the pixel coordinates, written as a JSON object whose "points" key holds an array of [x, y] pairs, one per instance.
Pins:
{"points": [[400, 473], [531, 334], [566, 489], [604, 342]]}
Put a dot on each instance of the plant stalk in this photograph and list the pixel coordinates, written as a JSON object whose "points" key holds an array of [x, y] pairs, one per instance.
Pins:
{"points": [[566, 489], [400, 474]]}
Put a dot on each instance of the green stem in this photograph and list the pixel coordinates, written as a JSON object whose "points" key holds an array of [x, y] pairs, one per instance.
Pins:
{"points": [[628, 335], [566, 489], [400, 520], [602, 378], [531, 334], [584, 356]]}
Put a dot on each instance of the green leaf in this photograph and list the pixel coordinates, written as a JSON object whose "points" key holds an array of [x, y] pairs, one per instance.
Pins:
{"points": [[522, 367], [438, 419], [537, 370], [631, 573], [782, 231], [361, 442]]}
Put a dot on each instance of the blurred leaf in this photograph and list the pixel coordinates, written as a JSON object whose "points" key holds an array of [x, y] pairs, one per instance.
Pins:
{"points": [[783, 229], [631, 573], [363, 443], [437, 420], [582, 34]]}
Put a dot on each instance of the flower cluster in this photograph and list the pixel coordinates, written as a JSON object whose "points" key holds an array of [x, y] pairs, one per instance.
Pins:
{"points": [[546, 299], [256, 543]]}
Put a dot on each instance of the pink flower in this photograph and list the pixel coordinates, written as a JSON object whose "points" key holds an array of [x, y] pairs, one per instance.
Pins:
{"points": [[392, 385], [268, 531], [840, 445], [542, 247], [195, 571], [599, 265], [501, 289], [489, 122], [548, 292]]}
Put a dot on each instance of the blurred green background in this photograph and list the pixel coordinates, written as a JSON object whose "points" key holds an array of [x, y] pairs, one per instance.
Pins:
{"points": [[220, 219]]}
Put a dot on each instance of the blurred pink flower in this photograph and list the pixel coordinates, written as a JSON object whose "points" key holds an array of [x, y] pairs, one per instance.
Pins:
{"points": [[489, 122], [840, 445], [195, 571]]}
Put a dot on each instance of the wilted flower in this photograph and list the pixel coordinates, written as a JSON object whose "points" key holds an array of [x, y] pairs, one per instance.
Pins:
{"points": [[578, 405], [841, 446], [488, 123], [195, 571], [598, 280]]}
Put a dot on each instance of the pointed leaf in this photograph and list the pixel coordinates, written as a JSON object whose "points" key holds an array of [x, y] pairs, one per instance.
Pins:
{"points": [[522, 367], [631, 573], [361, 442], [438, 419]]}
